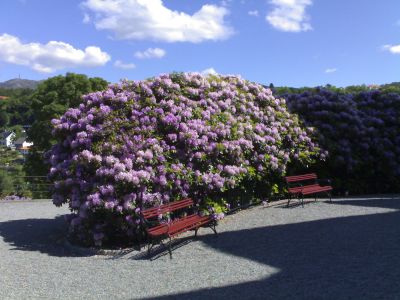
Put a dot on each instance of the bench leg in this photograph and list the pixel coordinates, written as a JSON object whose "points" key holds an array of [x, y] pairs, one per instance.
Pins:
{"points": [[169, 248], [213, 228], [330, 197], [149, 247], [302, 200], [195, 232], [289, 198]]}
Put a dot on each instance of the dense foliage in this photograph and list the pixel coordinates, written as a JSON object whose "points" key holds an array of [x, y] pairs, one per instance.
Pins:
{"points": [[15, 198], [15, 93], [393, 87], [361, 131], [50, 100], [12, 174], [16, 109], [139, 144], [24, 108]]}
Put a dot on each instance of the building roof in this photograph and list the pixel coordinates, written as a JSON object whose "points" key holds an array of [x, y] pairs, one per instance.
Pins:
{"points": [[20, 141], [6, 134]]}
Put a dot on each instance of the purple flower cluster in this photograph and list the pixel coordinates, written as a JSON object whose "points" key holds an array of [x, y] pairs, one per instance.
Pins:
{"points": [[142, 143], [15, 198], [362, 134]]}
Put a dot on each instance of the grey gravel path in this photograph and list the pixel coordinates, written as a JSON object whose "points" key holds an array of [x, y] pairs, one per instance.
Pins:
{"points": [[346, 250]]}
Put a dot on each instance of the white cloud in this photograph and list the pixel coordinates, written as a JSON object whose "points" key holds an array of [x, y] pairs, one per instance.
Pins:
{"points": [[125, 66], [290, 15], [150, 53], [151, 20], [86, 19], [395, 49], [226, 2], [253, 13], [330, 70], [49, 57], [209, 71]]}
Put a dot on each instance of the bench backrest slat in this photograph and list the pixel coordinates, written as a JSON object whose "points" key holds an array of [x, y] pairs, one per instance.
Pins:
{"points": [[301, 177], [166, 208]]}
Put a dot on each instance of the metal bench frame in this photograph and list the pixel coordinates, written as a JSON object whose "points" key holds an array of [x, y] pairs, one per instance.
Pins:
{"points": [[157, 232], [297, 188]]}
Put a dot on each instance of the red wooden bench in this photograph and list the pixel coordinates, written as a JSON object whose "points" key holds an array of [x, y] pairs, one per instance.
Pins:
{"points": [[157, 231], [307, 184]]}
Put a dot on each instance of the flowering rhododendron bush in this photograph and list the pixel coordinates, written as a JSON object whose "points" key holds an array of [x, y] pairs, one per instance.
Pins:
{"points": [[141, 144], [362, 134]]}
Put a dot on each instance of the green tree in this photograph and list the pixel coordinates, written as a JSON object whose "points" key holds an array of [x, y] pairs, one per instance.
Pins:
{"points": [[354, 89], [393, 87], [17, 107], [6, 184], [50, 100], [4, 119], [12, 175]]}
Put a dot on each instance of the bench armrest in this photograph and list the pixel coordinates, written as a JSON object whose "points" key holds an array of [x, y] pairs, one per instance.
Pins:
{"points": [[294, 184], [146, 224]]}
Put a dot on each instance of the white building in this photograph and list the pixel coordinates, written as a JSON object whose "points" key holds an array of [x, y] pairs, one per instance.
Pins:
{"points": [[22, 145], [7, 139]]}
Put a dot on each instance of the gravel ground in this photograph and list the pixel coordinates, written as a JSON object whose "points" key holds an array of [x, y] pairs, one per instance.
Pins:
{"points": [[345, 250]]}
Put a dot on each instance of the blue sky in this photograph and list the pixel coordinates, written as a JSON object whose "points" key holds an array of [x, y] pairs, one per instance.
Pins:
{"points": [[286, 42]]}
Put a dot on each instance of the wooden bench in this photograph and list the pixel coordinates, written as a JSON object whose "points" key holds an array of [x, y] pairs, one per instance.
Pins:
{"points": [[157, 231], [307, 184]]}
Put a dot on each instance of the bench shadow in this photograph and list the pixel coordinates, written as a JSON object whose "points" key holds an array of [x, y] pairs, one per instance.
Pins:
{"points": [[294, 203], [354, 257], [160, 250], [40, 235]]}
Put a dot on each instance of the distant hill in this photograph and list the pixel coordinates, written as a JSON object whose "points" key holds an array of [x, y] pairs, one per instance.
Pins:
{"points": [[19, 83]]}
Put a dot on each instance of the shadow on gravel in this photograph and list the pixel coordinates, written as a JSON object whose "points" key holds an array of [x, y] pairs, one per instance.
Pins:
{"points": [[40, 235], [342, 258], [158, 251]]}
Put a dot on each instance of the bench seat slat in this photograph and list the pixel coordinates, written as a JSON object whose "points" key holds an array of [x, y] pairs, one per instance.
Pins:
{"points": [[158, 230], [316, 190], [165, 228], [301, 177], [180, 226], [298, 189], [166, 208]]}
